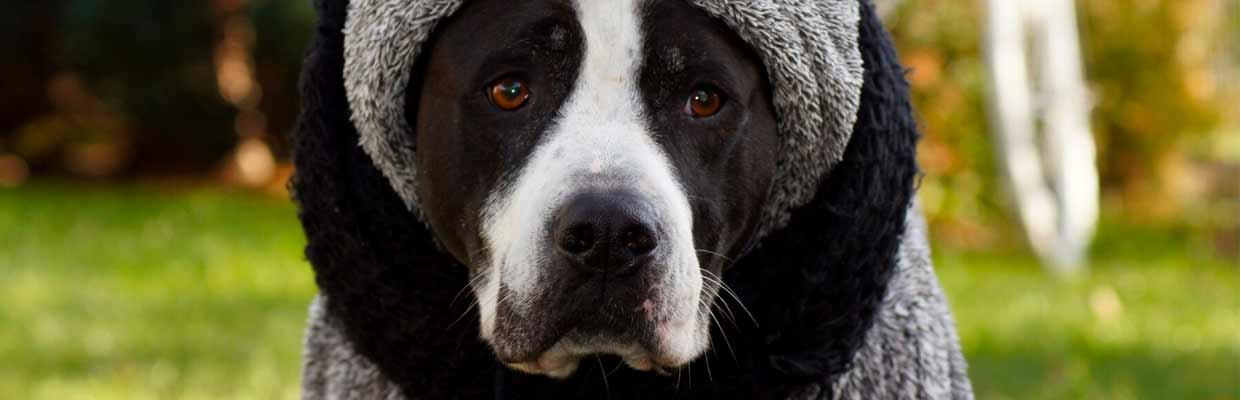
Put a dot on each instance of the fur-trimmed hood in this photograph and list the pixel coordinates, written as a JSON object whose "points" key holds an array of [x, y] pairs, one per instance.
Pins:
{"points": [[844, 299]]}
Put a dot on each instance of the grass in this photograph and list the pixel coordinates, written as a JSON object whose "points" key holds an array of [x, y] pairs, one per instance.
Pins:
{"points": [[1148, 325], [135, 293]]}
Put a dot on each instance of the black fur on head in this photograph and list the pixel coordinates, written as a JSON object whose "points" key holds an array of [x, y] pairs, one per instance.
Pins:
{"points": [[813, 287]]}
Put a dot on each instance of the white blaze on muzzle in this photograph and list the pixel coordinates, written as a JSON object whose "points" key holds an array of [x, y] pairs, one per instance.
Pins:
{"points": [[600, 143]]}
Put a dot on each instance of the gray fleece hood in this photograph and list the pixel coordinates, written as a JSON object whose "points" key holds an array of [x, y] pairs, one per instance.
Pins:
{"points": [[809, 49]]}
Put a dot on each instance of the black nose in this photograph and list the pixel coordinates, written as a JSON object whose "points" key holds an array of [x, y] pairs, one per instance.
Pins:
{"points": [[611, 232]]}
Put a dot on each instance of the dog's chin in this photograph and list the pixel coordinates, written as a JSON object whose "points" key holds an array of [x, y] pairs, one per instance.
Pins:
{"points": [[672, 346]]}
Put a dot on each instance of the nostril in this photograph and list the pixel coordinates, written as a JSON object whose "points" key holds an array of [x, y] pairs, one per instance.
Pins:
{"points": [[638, 239], [577, 239], [611, 232]]}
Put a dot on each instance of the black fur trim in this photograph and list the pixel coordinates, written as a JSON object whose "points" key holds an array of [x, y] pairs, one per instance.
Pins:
{"points": [[386, 280]]}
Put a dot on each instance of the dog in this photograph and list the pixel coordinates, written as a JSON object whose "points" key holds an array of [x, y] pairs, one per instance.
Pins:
{"points": [[611, 180]]}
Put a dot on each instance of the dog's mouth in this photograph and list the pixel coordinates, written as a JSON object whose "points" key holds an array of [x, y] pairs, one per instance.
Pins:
{"points": [[562, 359], [657, 347], [551, 334]]}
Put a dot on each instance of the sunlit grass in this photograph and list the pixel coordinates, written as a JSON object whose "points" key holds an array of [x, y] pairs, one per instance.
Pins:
{"points": [[1138, 326], [139, 293], [136, 293]]}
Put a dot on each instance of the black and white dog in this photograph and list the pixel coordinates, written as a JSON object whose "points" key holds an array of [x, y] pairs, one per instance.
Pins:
{"points": [[582, 171], [646, 181]]}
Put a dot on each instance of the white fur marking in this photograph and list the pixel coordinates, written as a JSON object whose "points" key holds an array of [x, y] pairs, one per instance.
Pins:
{"points": [[604, 145]]}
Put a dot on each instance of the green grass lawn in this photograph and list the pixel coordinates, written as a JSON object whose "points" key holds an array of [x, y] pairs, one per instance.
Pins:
{"points": [[135, 293]]}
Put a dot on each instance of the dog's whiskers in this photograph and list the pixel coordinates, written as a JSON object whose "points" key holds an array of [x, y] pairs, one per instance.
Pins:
{"points": [[727, 308], [718, 287], [729, 291], [710, 312], [475, 304], [468, 284], [615, 368], [601, 370], [724, 334], [716, 254], [458, 319], [473, 280], [709, 375], [690, 372]]}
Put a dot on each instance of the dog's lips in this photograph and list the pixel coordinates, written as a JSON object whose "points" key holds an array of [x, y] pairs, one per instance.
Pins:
{"points": [[549, 364], [652, 323], [673, 346], [560, 365]]}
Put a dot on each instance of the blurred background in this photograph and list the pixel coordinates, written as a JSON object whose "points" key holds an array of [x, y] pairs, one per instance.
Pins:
{"points": [[148, 248]]}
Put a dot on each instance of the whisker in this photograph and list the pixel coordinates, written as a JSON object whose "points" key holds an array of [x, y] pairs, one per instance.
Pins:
{"points": [[690, 372], [468, 284], [710, 312], [473, 280], [606, 386], [716, 255], [496, 304], [616, 368], [742, 304], [701, 199], [729, 291], [717, 286], [724, 334], [463, 314], [709, 375]]}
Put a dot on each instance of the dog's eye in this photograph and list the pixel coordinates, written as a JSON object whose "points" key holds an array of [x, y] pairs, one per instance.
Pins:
{"points": [[509, 94], [704, 101]]}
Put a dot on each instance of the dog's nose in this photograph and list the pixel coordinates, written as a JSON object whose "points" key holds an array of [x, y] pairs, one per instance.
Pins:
{"points": [[611, 232]]}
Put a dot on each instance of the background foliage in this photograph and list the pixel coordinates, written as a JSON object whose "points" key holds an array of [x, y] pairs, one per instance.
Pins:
{"points": [[1165, 83]]}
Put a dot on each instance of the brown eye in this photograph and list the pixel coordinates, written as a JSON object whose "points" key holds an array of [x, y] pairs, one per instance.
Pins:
{"points": [[509, 94], [704, 102]]}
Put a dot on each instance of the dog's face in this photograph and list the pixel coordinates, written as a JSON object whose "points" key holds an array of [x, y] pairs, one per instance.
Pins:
{"points": [[596, 164]]}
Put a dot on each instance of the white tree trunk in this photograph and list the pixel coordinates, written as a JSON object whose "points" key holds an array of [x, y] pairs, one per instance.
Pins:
{"points": [[1051, 170]]}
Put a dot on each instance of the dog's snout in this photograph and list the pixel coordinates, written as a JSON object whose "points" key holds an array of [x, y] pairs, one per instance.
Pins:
{"points": [[612, 232]]}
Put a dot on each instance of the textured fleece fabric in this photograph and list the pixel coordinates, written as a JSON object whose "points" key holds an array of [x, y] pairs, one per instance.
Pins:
{"points": [[844, 299], [809, 49]]}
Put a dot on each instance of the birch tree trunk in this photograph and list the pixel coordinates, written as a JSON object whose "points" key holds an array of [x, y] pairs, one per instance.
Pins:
{"points": [[1040, 118]]}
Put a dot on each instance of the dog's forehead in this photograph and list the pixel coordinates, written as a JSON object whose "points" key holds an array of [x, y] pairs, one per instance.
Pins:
{"points": [[496, 24], [672, 30]]}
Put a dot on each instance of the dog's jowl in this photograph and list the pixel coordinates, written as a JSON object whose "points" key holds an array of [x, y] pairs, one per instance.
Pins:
{"points": [[583, 198]]}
